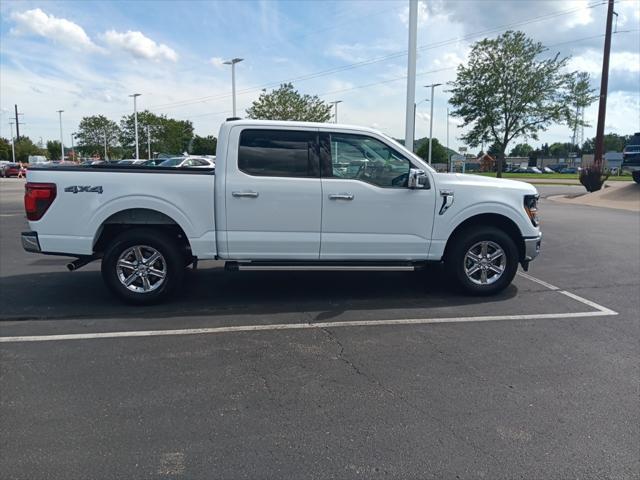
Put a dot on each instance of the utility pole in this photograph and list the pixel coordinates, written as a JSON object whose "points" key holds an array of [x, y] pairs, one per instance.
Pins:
{"points": [[17, 122], [61, 137], [148, 144], [433, 86], [602, 107], [135, 121], [72, 147], [105, 144], [335, 110], [13, 147], [448, 155], [233, 62], [411, 76]]}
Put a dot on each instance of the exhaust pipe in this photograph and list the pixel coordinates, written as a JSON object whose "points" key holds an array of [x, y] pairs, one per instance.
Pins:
{"points": [[80, 262]]}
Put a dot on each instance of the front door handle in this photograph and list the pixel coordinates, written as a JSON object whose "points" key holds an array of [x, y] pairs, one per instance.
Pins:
{"points": [[245, 194], [341, 196]]}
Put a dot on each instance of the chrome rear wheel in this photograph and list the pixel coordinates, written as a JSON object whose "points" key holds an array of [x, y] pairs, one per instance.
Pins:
{"points": [[141, 269]]}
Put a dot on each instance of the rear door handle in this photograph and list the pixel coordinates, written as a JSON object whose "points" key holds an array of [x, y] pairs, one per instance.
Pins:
{"points": [[245, 194], [341, 196]]}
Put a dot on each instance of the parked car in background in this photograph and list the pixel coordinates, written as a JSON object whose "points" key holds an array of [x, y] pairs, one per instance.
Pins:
{"points": [[12, 170], [557, 167], [154, 162], [193, 162], [132, 161], [36, 159], [631, 157], [572, 170]]}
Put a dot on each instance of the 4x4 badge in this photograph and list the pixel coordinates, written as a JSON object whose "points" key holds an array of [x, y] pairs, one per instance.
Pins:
{"points": [[84, 188]]}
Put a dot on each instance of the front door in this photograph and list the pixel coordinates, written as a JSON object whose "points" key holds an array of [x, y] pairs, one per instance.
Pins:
{"points": [[368, 212], [273, 198]]}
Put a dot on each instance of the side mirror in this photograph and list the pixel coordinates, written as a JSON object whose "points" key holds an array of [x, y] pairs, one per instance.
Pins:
{"points": [[418, 179]]}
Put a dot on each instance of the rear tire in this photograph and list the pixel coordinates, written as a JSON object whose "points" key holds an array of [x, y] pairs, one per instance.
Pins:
{"points": [[482, 260], [143, 266], [636, 176]]}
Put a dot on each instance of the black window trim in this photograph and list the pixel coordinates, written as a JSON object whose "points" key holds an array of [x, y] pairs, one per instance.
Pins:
{"points": [[314, 156]]}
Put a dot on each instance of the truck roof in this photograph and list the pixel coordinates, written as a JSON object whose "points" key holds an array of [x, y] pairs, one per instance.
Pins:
{"points": [[297, 124]]}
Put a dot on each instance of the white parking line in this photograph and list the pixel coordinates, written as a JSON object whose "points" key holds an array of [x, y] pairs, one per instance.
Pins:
{"points": [[599, 311]]}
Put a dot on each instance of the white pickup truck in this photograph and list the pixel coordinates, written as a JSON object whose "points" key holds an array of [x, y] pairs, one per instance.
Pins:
{"points": [[283, 196]]}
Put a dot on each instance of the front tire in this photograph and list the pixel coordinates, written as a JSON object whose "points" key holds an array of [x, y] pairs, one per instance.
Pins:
{"points": [[482, 260], [142, 266], [636, 176]]}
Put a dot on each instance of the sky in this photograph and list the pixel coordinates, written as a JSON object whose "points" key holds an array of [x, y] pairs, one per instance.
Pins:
{"points": [[87, 57]]}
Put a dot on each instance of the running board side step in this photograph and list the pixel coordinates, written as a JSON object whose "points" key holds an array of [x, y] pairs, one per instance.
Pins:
{"points": [[321, 267]]}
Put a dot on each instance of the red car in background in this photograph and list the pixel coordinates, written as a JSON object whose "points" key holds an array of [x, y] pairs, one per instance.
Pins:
{"points": [[12, 170]]}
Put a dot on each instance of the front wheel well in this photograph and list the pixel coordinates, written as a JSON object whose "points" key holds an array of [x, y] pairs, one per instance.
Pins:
{"points": [[494, 220], [135, 218]]}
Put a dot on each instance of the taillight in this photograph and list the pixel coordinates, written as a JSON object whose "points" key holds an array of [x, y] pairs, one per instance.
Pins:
{"points": [[531, 207], [38, 197]]}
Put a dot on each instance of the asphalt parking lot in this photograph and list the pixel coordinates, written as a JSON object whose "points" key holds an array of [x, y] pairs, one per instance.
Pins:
{"points": [[332, 375]]}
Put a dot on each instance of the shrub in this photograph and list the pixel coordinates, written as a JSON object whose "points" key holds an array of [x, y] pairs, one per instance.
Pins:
{"points": [[592, 177]]}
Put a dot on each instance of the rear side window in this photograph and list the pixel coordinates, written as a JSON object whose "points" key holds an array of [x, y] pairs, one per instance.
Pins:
{"points": [[278, 153]]}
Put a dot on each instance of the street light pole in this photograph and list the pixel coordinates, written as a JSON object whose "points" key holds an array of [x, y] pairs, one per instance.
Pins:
{"points": [[415, 106], [61, 137], [13, 147], [148, 144], [135, 121], [411, 75], [72, 147], [233, 62], [335, 110], [105, 145], [433, 86], [448, 155]]}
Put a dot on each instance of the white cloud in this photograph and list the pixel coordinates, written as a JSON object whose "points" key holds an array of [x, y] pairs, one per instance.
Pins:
{"points": [[59, 30], [423, 14], [591, 62], [217, 62], [581, 17], [140, 46]]}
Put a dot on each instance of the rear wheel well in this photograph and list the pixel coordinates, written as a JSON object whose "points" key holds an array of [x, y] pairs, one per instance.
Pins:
{"points": [[139, 217], [494, 220]]}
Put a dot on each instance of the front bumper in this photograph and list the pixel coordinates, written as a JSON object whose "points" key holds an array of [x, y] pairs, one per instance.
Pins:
{"points": [[532, 247], [30, 242]]}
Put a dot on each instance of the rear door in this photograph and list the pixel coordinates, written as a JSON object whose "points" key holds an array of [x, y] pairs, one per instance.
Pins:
{"points": [[368, 212], [273, 197]]}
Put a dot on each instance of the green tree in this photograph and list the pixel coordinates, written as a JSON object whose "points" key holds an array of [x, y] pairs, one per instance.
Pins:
{"points": [[580, 96], [53, 150], [521, 150], [438, 152], [561, 150], [167, 134], [612, 143], [91, 135], [285, 103], [204, 145], [25, 147], [508, 91], [5, 149]]}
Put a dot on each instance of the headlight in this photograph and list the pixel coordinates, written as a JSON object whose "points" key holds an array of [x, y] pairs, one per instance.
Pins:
{"points": [[531, 207]]}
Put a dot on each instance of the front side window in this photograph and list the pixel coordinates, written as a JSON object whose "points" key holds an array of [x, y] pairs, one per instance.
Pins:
{"points": [[358, 157], [278, 153]]}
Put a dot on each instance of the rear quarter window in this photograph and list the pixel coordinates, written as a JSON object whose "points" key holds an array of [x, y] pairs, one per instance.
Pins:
{"points": [[278, 153]]}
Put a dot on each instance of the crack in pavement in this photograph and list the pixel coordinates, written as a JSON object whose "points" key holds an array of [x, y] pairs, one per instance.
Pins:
{"points": [[400, 397]]}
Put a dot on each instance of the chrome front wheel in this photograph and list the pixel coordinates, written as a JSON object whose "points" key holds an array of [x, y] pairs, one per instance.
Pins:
{"points": [[485, 263]]}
